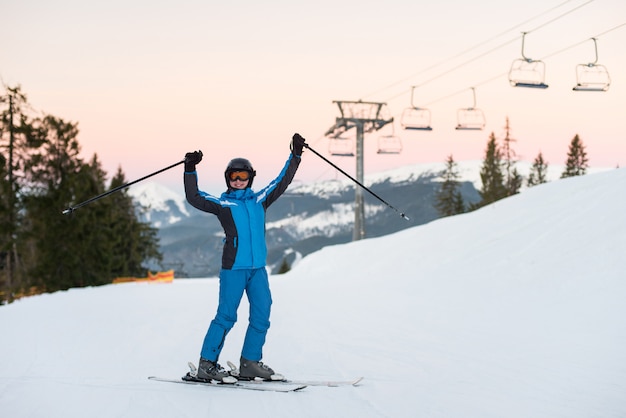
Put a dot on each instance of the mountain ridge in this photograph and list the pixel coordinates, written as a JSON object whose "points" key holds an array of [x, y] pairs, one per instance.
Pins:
{"points": [[307, 217]]}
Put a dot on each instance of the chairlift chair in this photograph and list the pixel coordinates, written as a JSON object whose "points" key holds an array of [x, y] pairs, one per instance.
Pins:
{"points": [[526, 72], [470, 118], [592, 76], [415, 118], [389, 144], [341, 146]]}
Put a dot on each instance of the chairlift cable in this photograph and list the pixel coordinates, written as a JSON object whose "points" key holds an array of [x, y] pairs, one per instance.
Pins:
{"points": [[478, 45], [493, 78], [559, 17], [489, 52], [584, 41], [457, 67]]}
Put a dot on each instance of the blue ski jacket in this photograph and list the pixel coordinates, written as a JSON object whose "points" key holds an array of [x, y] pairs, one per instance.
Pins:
{"points": [[242, 215]]}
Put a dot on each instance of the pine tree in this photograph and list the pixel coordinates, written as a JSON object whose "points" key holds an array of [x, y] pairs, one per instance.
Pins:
{"points": [[491, 176], [56, 176], [284, 267], [538, 172], [133, 241], [577, 162], [513, 180], [18, 137], [41, 173], [449, 200], [93, 245], [5, 236]]}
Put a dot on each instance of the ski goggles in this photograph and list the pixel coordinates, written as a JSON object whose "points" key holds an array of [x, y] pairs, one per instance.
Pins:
{"points": [[239, 175]]}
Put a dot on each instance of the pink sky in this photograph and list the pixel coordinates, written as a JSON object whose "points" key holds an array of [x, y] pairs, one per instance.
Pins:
{"points": [[149, 81]]}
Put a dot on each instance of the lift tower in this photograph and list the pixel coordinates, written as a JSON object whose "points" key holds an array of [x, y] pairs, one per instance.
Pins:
{"points": [[365, 117]]}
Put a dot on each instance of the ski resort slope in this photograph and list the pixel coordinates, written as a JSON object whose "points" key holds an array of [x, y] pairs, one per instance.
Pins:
{"points": [[514, 310]]}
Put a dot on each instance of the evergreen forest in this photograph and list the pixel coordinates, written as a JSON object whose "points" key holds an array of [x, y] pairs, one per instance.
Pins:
{"points": [[41, 173]]}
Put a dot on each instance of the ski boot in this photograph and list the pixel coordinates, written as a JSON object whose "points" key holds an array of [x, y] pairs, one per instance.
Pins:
{"points": [[212, 371], [256, 370]]}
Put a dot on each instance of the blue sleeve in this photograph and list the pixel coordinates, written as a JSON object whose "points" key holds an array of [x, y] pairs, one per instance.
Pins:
{"points": [[277, 187]]}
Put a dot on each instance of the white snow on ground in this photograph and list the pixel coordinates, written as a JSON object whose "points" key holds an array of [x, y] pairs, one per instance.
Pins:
{"points": [[515, 310]]}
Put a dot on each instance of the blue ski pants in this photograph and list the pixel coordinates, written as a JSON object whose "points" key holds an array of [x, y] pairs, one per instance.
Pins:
{"points": [[233, 283]]}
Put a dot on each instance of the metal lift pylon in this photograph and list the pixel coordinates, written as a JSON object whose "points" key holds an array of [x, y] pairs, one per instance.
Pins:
{"points": [[365, 117]]}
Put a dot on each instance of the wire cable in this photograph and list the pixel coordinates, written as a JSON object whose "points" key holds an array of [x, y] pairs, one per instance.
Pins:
{"points": [[493, 78], [479, 45]]}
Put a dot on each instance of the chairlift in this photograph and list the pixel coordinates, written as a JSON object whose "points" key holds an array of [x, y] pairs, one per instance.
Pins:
{"points": [[415, 118], [341, 146], [592, 76], [470, 118], [526, 72], [389, 144]]}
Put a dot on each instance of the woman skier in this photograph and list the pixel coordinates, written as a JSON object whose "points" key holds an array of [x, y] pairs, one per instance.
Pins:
{"points": [[241, 213]]}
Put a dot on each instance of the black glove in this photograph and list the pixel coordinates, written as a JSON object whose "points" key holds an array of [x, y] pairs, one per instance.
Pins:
{"points": [[191, 159], [297, 143]]}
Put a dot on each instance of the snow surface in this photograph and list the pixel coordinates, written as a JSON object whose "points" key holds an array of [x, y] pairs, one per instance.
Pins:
{"points": [[514, 310]]}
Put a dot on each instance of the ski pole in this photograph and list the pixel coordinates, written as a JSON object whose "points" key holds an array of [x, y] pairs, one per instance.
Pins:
{"points": [[356, 181], [118, 188]]}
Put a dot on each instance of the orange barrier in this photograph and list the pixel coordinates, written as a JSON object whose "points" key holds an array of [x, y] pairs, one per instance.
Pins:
{"points": [[158, 277]]}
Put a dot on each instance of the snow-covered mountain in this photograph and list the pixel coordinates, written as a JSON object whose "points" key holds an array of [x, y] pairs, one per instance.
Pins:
{"points": [[161, 205], [308, 217], [166, 206]]}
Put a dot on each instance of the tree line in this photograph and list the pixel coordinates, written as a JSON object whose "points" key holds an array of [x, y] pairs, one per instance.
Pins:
{"points": [[499, 175], [41, 173]]}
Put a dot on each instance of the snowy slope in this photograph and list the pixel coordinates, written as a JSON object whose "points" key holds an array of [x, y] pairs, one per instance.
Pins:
{"points": [[515, 310]]}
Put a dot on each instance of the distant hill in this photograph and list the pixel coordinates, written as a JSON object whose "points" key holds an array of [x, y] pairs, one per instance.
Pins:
{"points": [[306, 218]]}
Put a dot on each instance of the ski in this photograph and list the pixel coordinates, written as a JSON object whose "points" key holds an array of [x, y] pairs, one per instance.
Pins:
{"points": [[327, 383], [267, 387], [234, 371]]}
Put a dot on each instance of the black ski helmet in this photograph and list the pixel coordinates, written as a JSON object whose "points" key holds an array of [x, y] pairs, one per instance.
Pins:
{"points": [[239, 164]]}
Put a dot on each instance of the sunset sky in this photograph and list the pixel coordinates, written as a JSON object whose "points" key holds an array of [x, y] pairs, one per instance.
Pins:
{"points": [[147, 81]]}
